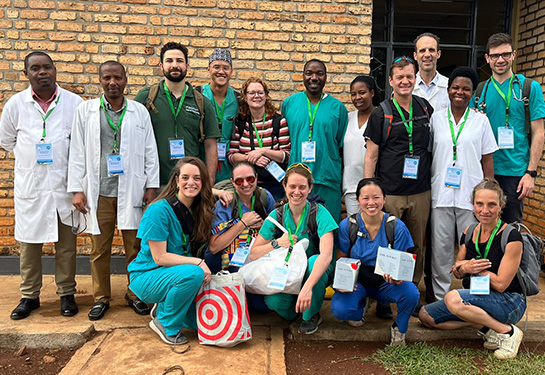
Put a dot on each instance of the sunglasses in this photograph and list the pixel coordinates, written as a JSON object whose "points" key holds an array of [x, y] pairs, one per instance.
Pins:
{"points": [[404, 58], [299, 165], [240, 181], [76, 229]]}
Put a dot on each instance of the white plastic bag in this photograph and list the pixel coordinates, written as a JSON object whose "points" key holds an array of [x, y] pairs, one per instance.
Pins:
{"points": [[222, 312], [258, 273]]}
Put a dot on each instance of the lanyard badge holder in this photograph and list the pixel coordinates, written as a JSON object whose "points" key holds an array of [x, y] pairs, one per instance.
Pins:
{"points": [[44, 151], [243, 250], [114, 161], [480, 285], [453, 178], [506, 135], [176, 145], [410, 161], [222, 151], [308, 149], [275, 170]]}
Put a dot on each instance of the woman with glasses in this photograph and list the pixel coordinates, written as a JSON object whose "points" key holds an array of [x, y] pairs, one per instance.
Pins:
{"points": [[260, 135], [297, 214], [165, 272]]}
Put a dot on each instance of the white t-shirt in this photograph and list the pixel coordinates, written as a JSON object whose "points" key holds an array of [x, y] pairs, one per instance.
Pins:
{"points": [[353, 153], [476, 139]]}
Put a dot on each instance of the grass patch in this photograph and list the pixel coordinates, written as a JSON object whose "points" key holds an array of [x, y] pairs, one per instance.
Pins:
{"points": [[423, 359]]}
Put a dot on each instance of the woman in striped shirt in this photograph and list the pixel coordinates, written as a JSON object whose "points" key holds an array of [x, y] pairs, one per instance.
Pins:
{"points": [[260, 135]]}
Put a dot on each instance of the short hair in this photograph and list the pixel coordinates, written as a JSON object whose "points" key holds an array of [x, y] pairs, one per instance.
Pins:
{"points": [[431, 35], [371, 86], [464, 71], [498, 39], [36, 53], [174, 45], [369, 181], [489, 184], [315, 60], [111, 63], [401, 62]]}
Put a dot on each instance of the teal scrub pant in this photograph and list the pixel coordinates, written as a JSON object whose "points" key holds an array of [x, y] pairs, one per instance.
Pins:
{"points": [[284, 304], [173, 289], [332, 198]]}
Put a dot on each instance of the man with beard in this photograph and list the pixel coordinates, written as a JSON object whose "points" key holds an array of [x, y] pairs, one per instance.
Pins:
{"points": [[317, 123], [182, 118]]}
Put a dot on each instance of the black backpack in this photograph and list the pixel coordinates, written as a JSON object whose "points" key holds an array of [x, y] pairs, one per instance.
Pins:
{"points": [[389, 117], [354, 230]]}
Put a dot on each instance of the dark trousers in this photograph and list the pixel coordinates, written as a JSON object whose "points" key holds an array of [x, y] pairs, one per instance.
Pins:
{"points": [[513, 208]]}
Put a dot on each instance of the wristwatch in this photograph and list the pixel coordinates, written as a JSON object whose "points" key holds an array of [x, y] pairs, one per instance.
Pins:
{"points": [[532, 174], [274, 243]]}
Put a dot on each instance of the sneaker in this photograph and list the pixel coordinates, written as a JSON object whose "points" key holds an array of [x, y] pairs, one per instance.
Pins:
{"points": [[158, 328], [153, 311], [308, 327], [398, 338], [355, 323], [491, 339], [384, 310], [508, 346]]}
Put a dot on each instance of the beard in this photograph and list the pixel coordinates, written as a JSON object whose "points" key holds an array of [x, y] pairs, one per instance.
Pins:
{"points": [[179, 78]]}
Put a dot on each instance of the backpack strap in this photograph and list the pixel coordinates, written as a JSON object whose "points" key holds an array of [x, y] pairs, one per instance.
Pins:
{"points": [[387, 123], [280, 219], [422, 104], [199, 100], [277, 119], [479, 93], [152, 95], [198, 89], [389, 228], [312, 222], [469, 233], [353, 231], [526, 91]]}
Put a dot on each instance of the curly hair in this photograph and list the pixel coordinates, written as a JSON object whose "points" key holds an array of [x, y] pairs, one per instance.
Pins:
{"points": [[244, 109]]}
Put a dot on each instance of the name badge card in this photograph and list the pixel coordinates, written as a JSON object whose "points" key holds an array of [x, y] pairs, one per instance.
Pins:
{"points": [[279, 278], [454, 178], [177, 149], [114, 164], [308, 154], [240, 256], [222, 150], [44, 153], [506, 138], [274, 169], [410, 167], [480, 285]]}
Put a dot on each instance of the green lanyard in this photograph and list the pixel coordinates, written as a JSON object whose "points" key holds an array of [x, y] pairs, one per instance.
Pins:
{"points": [[259, 139], [114, 127], [46, 117], [312, 115], [240, 207], [296, 231], [219, 110], [489, 243], [175, 112], [506, 100], [409, 125], [455, 138]]}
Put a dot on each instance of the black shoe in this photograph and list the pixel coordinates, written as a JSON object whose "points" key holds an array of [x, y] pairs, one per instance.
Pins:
{"points": [[384, 311], [139, 307], [98, 310], [68, 305], [417, 310], [25, 306]]}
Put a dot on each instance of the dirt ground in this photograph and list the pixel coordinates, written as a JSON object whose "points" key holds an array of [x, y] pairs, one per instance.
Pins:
{"points": [[34, 361]]}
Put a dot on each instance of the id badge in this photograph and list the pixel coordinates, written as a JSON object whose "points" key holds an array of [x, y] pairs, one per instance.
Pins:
{"points": [[177, 149], [275, 170], [240, 256], [114, 163], [222, 150], [410, 167], [454, 178], [506, 137], [480, 285], [308, 154], [44, 153], [279, 278]]}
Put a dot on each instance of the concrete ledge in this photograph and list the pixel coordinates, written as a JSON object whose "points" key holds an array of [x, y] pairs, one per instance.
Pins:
{"points": [[64, 337]]}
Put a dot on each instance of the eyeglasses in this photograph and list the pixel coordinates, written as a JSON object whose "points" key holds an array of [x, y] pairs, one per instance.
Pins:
{"points": [[255, 93], [505, 55], [299, 165], [75, 229], [404, 58], [240, 181]]}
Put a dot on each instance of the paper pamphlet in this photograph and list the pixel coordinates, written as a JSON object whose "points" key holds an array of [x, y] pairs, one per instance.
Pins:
{"points": [[399, 264]]}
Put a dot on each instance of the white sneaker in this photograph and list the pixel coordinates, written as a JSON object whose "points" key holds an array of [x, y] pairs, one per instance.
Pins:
{"points": [[491, 339], [356, 323], [398, 338], [508, 346]]}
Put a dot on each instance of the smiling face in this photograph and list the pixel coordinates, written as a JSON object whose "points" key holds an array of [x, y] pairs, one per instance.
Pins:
{"points": [[361, 96], [41, 73], [113, 81], [220, 72], [486, 206], [499, 64], [243, 174], [189, 181], [371, 200], [427, 54], [403, 80], [297, 189], [174, 65], [460, 92], [256, 96], [314, 77]]}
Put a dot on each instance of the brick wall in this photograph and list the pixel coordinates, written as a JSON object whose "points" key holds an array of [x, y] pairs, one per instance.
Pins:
{"points": [[269, 39], [530, 62]]}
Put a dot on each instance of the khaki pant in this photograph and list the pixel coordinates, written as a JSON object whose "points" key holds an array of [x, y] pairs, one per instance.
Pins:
{"points": [[101, 253], [65, 264], [416, 210]]}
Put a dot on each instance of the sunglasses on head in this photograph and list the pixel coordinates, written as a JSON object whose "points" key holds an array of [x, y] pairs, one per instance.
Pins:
{"points": [[404, 58], [299, 165], [240, 181]]}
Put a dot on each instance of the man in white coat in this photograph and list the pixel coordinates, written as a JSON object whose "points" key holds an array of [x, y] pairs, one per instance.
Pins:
{"points": [[113, 174], [36, 126]]}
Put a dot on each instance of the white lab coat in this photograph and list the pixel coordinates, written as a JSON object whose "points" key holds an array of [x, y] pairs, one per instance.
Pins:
{"points": [[140, 162], [39, 189], [439, 96]]}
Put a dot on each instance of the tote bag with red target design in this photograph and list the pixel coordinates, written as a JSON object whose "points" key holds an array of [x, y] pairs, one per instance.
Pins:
{"points": [[222, 312]]}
